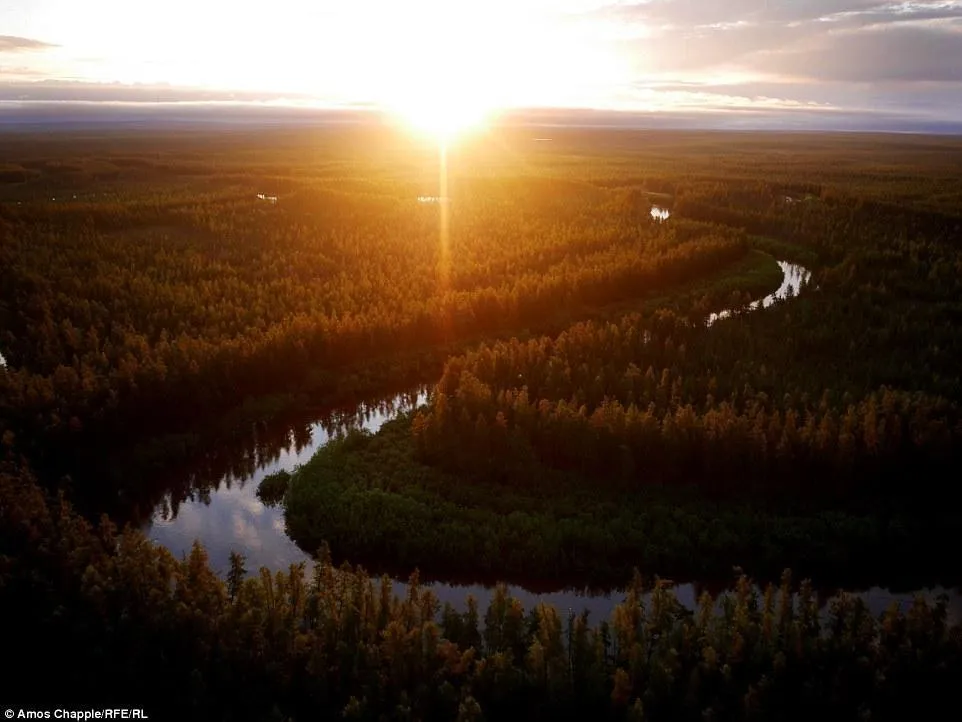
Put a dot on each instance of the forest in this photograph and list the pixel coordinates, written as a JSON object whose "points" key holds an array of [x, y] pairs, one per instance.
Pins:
{"points": [[589, 422], [813, 435], [106, 618], [132, 299]]}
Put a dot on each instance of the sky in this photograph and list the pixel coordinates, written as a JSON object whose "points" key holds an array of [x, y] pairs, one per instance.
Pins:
{"points": [[787, 58]]}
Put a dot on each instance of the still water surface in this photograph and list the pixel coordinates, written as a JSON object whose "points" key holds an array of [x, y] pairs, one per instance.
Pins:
{"points": [[794, 278], [227, 515], [660, 214], [232, 518]]}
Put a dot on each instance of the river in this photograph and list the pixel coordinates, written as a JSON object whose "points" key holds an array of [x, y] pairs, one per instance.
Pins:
{"points": [[225, 514], [794, 278], [660, 214], [232, 518]]}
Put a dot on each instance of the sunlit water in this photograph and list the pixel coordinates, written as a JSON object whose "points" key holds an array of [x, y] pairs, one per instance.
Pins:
{"points": [[232, 518], [660, 214], [794, 278]]}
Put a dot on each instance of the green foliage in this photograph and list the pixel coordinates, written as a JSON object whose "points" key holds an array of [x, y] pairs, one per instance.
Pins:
{"points": [[185, 297], [144, 286], [518, 519], [273, 487], [107, 616], [783, 437]]}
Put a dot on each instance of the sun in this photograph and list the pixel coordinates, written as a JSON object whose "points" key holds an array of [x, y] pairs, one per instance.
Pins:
{"points": [[444, 95], [444, 118], [445, 81]]}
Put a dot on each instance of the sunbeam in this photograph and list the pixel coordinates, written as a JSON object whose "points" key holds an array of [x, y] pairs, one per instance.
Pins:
{"points": [[444, 201]]}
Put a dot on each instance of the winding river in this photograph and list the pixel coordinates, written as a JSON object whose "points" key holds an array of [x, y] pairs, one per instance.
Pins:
{"points": [[794, 278], [232, 518], [225, 514]]}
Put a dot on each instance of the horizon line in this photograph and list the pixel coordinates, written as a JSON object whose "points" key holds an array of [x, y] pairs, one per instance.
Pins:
{"points": [[781, 120]]}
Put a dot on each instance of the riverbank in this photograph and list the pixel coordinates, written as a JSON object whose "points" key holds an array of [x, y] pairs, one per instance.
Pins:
{"points": [[276, 416], [220, 507], [253, 646], [530, 507], [374, 503], [213, 499]]}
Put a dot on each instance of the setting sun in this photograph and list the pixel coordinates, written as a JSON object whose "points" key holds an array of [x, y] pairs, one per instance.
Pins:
{"points": [[440, 117], [443, 117], [377, 359], [442, 81]]}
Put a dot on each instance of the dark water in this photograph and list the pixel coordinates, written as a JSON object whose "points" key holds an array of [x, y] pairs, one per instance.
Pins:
{"points": [[224, 513], [599, 605]]}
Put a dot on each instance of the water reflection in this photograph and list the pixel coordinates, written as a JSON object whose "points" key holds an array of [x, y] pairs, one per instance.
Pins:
{"points": [[660, 214], [794, 278], [600, 605], [217, 503]]}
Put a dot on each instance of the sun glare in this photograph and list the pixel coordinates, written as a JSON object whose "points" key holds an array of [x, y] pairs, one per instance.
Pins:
{"points": [[444, 97], [445, 81], [441, 118]]}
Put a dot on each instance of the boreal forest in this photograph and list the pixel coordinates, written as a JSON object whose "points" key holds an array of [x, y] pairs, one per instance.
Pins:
{"points": [[626, 361]]}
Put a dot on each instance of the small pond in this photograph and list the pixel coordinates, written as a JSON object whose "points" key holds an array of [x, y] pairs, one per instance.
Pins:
{"points": [[660, 214]]}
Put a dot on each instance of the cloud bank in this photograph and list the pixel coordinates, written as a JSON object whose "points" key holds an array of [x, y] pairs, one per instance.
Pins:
{"points": [[807, 61], [14, 44]]}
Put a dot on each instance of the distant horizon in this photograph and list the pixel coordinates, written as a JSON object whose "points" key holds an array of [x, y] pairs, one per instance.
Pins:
{"points": [[67, 113], [441, 65]]}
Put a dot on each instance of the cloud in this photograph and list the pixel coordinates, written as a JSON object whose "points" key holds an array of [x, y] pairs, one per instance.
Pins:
{"points": [[733, 34], [702, 48], [14, 44], [875, 55], [833, 93], [700, 14], [79, 91], [859, 56], [801, 58], [708, 108], [19, 73], [743, 118]]}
